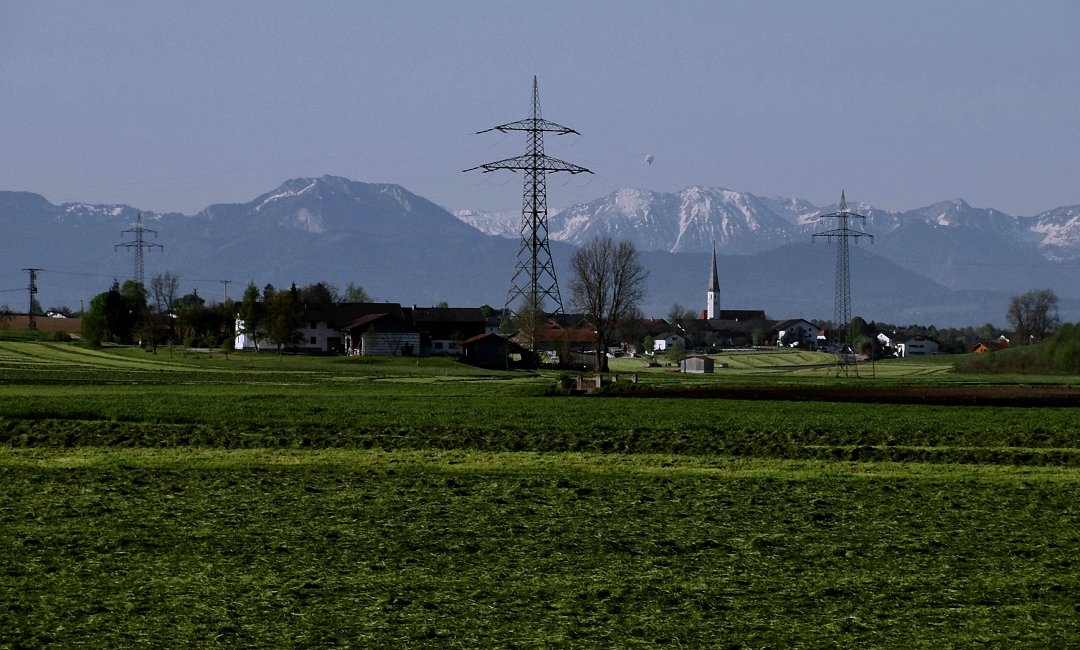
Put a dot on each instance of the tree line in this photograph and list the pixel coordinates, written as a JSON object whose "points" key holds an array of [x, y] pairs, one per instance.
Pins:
{"points": [[1032, 317], [130, 314]]}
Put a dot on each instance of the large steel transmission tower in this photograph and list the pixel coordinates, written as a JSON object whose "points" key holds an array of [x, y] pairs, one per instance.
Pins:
{"points": [[139, 245], [842, 301], [533, 282]]}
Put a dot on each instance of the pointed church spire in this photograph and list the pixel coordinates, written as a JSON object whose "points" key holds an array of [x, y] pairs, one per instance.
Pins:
{"points": [[712, 300], [714, 280]]}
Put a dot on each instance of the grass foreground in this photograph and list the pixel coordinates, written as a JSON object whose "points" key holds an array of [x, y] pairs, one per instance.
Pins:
{"points": [[326, 504]]}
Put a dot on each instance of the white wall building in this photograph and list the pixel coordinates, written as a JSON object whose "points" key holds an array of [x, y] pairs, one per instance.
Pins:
{"points": [[919, 346], [665, 341], [805, 332]]}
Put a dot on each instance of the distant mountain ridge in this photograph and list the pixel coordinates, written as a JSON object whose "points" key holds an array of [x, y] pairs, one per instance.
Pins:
{"points": [[951, 243], [946, 264], [694, 219]]}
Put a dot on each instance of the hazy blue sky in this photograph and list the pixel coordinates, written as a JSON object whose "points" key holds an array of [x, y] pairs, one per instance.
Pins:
{"points": [[172, 106]]}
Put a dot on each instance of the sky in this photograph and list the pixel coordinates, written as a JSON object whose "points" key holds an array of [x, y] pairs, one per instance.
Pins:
{"points": [[174, 106]]}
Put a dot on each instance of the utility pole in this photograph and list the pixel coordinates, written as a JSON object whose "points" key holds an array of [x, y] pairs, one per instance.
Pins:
{"points": [[842, 300], [31, 322], [534, 279], [225, 283], [140, 244]]}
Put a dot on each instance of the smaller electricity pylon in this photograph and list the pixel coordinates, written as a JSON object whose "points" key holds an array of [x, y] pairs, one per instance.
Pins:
{"points": [[139, 245], [534, 280], [842, 303], [31, 321]]}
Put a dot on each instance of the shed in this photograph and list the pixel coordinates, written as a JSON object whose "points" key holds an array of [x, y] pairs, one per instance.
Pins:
{"points": [[697, 364]]}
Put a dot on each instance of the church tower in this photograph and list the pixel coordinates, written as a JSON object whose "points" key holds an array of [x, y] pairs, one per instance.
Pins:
{"points": [[712, 301]]}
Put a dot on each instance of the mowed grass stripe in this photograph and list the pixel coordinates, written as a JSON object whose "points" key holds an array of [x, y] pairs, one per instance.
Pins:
{"points": [[54, 353], [459, 461]]}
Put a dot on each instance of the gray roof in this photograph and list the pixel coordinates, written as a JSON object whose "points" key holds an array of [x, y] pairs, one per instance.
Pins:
{"points": [[714, 280]]}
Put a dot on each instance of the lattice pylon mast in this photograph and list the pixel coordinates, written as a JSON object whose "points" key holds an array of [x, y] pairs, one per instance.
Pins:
{"points": [[842, 301], [31, 322], [533, 282], [139, 245]]}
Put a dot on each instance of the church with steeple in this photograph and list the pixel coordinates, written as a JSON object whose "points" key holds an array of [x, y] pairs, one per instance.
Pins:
{"points": [[712, 311], [735, 327]]}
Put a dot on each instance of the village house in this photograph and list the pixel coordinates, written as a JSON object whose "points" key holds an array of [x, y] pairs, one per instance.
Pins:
{"points": [[668, 340], [917, 346], [797, 331], [444, 329], [491, 350], [982, 347], [345, 328]]}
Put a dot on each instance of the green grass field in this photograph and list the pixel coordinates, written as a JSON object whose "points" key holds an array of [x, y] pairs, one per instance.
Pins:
{"points": [[265, 501]]}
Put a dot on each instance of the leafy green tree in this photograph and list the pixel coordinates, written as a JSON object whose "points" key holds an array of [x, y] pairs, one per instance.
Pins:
{"points": [[757, 336], [109, 318], [988, 332], [251, 313], [676, 352], [857, 329], [355, 293], [319, 293], [138, 312], [1061, 352], [189, 317], [283, 314]]}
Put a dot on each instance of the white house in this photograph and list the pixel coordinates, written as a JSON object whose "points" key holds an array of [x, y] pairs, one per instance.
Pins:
{"points": [[804, 332], [327, 329], [917, 347], [665, 341]]}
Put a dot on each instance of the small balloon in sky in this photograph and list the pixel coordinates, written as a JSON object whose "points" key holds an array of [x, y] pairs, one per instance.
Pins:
{"points": [[648, 159]]}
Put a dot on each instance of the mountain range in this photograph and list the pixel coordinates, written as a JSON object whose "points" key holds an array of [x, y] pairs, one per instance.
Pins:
{"points": [[948, 264]]}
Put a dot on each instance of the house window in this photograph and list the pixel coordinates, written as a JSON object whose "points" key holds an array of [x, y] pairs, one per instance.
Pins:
{"points": [[313, 341], [438, 345], [313, 326]]}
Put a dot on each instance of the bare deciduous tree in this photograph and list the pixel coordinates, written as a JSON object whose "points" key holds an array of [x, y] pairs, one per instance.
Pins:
{"points": [[165, 288], [678, 315], [608, 283], [1033, 315]]}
